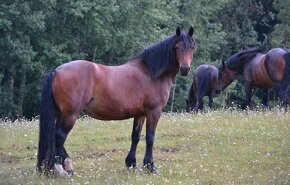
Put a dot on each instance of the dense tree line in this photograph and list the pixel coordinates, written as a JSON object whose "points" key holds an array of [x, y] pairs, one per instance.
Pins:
{"points": [[37, 36]]}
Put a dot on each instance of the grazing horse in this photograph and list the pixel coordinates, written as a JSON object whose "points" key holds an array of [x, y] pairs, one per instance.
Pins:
{"points": [[260, 70], [204, 83], [138, 89]]}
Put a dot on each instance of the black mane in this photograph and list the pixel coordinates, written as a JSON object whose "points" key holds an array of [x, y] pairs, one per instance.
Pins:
{"points": [[161, 57], [238, 60]]}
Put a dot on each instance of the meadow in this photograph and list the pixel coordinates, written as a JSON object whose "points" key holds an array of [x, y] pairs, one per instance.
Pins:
{"points": [[217, 147]]}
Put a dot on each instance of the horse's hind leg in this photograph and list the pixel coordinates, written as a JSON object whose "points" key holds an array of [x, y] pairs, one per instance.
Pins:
{"points": [[284, 99], [63, 166], [135, 137], [210, 98], [200, 103]]}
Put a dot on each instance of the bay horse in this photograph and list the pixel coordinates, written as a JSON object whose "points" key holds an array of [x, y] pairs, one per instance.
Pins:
{"points": [[259, 69], [204, 83], [138, 89]]}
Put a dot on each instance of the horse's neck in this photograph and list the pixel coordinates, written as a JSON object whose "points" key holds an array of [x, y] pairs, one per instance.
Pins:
{"points": [[169, 76]]}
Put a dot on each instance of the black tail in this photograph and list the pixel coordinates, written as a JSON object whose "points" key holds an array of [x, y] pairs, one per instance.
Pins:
{"points": [[284, 85], [46, 144]]}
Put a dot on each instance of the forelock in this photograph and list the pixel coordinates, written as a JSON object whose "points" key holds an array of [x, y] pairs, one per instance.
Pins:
{"points": [[188, 41]]}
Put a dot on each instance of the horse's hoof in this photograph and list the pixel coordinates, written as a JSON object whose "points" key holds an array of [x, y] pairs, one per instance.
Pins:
{"points": [[130, 163], [59, 171], [70, 173], [150, 168], [68, 167]]}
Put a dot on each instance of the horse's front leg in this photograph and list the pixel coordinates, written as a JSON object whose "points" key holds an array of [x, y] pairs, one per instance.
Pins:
{"points": [[265, 99], [151, 123], [135, 137], [248, 100]]}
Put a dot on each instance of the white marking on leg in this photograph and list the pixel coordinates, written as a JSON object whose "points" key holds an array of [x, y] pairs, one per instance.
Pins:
{"points": [[59, 171], [68, 166]]}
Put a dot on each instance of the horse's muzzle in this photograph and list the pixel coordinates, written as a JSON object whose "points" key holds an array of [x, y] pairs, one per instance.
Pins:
{"points": [[184, 70], [218, 91]]}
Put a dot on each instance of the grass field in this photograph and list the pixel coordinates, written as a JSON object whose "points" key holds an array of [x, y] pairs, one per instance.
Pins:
{"points": [[219, 147]]}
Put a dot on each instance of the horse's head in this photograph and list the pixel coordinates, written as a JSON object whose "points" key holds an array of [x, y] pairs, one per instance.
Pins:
{"points": [[226, 77], [185, 49]]}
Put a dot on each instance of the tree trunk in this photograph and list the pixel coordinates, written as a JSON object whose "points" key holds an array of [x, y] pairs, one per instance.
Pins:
{"points": [[9, 84], [20, 91]]}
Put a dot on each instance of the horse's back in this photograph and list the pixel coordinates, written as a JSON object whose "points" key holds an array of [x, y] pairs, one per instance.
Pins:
{"points": [[204, 67], [277, 52], [207, 69]]}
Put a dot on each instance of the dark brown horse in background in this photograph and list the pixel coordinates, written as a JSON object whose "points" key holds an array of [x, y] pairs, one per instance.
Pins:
{"points": [[259, 70], [204, 83], [138, 89]]}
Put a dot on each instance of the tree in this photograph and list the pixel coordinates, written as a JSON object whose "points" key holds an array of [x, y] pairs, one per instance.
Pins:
{"points": [[280, 37], [17, 23]]}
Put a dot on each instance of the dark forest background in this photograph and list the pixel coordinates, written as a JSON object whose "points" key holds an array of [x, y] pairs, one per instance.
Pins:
{"points": [[38, 35]]}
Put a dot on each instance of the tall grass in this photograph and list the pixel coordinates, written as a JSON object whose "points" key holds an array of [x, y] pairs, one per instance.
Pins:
{"points": [[218, 147]]}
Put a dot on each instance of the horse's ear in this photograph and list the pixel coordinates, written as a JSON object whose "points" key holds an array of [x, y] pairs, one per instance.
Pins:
{"points": [[190, 32], [178, 32]]}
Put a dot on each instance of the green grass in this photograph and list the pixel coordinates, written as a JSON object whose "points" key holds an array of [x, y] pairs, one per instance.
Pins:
{"points": [[219, 147]]}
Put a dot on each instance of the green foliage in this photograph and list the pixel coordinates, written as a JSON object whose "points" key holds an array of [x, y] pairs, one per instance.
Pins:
{"points": [[37, 36], [281, 32]]}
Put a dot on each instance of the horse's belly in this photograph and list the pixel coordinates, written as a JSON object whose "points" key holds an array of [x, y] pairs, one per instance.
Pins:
{"points": [[263, 81], [111, 110]]}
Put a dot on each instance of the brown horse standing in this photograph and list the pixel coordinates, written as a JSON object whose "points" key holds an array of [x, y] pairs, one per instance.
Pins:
{"points": [[204, 83], [261, 70], [139, 89]]}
